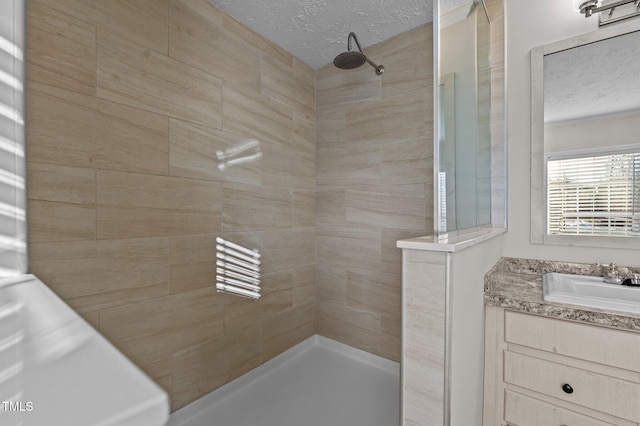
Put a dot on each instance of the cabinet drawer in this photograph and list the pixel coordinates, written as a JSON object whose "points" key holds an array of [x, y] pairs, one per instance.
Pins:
{"points": [[524, 411], [596, 391], [603, 345]]}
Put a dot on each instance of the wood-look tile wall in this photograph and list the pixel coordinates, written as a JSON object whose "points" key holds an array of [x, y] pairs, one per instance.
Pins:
{"points": [[129, 106], [374, 187]]}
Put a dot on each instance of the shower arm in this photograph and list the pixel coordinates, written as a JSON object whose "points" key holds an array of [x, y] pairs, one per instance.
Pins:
{"points": [[352, 35]]}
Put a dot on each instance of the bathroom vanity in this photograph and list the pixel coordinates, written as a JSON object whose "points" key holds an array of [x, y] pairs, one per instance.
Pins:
{"points": [[548, 363]]}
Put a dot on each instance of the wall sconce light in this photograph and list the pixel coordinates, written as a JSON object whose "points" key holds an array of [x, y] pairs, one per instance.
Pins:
{"points": [[616, 10]]}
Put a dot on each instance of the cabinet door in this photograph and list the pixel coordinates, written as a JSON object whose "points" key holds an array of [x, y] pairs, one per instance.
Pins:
{"points": [[602, 393], [521, 410]]}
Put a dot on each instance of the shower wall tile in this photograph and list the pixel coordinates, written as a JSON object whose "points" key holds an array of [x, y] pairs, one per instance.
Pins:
{"points": [[288, 329], [275, 82], [200, 152], [143, 21], [332, 285], [136, 205], [374, 291], [199, 369], [65, 55], [157, 328], [373, 187], [337, 88], [133, 175], [54, 221], [386, 206], [64, 184], [256, 116], [139, 77], [61, 203], [76, 130], [286, 165], [211, 48], [304, 209], [349, 247], [193, 262], [94, 275], [249, 207], [267, 47], [397, 118]]}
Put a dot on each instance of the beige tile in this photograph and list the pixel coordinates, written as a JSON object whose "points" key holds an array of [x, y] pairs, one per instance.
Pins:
{"points": [[157, 328], [330, 209], [257, 116], [304, 137], [131, 74], [204, 153], [391, 254], [276, 296], [293, 86], [193, 262], [408, 61], [50, 182], [340, 165], [135, 205], [254, 39], [248, 207], [100, 274], [143, 21], [331, 124], [304, 208], [400, 117], [55, 221], [374, 291], [288, 249], [332, 285], [202, 368], [197, 38], [390, 337], [349, 247], [75, 130], [160, 372], [337, 87], [287, 166], [61, 51], [356, 328], [288, 329], [389, 206]]}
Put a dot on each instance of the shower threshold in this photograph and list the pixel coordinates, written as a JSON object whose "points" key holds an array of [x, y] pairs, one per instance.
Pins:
{"points": [[318, 382]]}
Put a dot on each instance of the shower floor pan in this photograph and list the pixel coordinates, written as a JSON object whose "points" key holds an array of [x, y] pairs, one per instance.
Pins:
{"points": [[318, 382]]}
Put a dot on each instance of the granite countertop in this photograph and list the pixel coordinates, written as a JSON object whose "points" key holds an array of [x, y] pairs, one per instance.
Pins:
{"points": [[516, 284]]}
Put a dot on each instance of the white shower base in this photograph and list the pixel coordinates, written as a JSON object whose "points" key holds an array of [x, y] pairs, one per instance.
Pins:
{"points": [[318, 382]]}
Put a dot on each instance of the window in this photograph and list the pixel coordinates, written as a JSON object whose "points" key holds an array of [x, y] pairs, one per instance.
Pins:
{"points": [[594, 195]]}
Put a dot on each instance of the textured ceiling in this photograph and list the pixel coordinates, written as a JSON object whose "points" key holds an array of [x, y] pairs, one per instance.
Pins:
{"points": [[597, 79], [316, 31]]}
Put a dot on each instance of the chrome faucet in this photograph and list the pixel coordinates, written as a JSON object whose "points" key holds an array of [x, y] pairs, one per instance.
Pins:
{"points": [[613, 275]]}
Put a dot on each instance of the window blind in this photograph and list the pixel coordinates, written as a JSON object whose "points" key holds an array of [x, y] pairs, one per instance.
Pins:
{"points": [[595, 195]]}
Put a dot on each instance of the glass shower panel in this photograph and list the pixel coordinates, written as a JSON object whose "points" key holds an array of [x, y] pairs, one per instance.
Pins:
{"points": [[464, 161]]}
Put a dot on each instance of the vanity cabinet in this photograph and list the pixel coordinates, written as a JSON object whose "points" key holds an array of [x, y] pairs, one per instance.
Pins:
{"points": [[542, 371]]}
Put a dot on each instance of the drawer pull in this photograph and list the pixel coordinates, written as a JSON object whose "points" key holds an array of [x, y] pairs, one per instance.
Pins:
{"points": [[567, 388]]}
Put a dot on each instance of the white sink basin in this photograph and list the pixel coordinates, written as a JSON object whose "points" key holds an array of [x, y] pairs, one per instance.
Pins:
{"points": [[58, 370], [590, 291]]}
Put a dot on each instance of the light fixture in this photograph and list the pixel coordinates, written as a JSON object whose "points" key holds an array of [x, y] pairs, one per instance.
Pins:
{"points": [[616, 10]]}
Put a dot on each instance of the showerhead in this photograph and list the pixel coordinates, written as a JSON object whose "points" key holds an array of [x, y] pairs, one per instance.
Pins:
{"points": [[351, 59]]}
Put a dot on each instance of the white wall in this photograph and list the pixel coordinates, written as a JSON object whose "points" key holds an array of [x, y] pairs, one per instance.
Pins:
{"points": [[468, 268], [13, 256], [530, 24]]}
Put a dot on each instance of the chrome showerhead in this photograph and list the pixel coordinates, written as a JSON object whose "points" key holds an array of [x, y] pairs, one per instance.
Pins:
{"points": [[351, 59]]}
